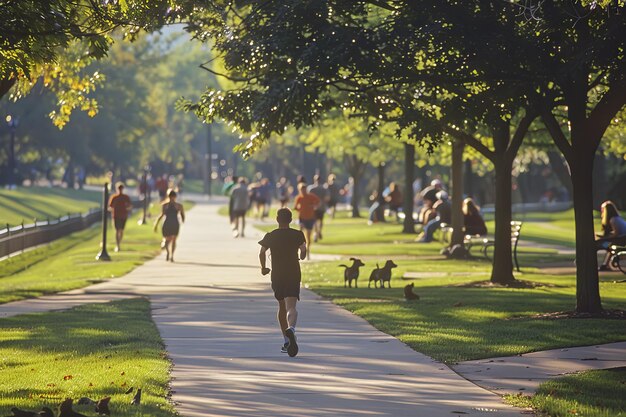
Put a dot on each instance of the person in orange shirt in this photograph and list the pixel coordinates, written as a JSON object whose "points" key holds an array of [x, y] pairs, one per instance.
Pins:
{"points": [[119, 206], [306, 203]]}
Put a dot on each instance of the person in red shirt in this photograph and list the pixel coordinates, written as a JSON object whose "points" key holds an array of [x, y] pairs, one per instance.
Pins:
{"points": [[119, 206], [306, 203]]}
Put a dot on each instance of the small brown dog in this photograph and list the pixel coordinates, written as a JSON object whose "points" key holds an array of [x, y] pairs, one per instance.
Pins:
{"points": [[352, 272], [409, 294], [382, 274]]}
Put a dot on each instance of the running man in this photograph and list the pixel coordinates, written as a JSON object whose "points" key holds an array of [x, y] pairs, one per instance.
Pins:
{"points": [[306, 203], [119, 206], [284, 244], [239, 203], [322, 193]]}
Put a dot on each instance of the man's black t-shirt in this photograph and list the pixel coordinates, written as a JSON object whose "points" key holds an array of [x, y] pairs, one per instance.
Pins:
{"points": [[283, 245]]}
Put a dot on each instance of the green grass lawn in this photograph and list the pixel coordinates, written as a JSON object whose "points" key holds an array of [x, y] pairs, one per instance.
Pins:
{"points": [[70, 263], [28, 203], [453, 323], [589, 394], [96, 350]]}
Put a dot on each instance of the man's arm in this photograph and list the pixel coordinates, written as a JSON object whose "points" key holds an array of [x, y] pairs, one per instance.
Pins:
{"points": [[303, 251], [263, 259]]}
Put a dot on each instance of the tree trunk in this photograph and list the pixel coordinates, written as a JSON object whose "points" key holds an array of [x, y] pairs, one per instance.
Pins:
{"points": [[409, 176], [599, 178], [356, 197], [380, 211], [468, 179], [502, 272], [587, 286], [457, 193], [355, 168]]}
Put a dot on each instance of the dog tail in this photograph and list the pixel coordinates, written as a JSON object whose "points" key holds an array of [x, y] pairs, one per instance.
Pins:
{"points": [[345, 266]]}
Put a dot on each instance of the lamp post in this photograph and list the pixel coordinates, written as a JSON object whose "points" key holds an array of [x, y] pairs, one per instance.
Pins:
{"points": [[104, 255], [146, 192], [12, 122], [209, 161]]}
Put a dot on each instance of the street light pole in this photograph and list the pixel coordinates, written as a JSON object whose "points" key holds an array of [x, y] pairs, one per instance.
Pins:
{"points": [[104, 255], [209, 146], [144, 188], [12, 122]]}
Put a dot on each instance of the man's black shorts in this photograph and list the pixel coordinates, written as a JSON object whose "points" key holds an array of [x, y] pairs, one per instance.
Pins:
{"points": [[239, 213], [120, 224], [283, 290], [319, 214]]}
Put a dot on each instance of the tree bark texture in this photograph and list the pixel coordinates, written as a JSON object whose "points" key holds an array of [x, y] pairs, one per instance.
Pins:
{"points": [[355, 168], [502, 272], [409, 176], [380, 211], [587, 285], [458, 147]]}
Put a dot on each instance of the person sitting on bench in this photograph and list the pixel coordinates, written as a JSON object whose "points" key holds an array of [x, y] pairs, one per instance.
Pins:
{"points": [[472, 220], [613, 227]]}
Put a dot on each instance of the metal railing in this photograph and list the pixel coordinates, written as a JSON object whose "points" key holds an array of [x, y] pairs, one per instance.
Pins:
{"points": [[15, 239]]}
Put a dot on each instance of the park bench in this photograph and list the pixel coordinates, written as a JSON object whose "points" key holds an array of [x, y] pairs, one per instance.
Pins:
{"points": [[486, 244], [616, 249], [618, 257]]}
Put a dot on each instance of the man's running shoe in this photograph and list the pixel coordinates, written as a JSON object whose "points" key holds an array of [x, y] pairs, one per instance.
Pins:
{"points": [[283, 348], [292, 347]]}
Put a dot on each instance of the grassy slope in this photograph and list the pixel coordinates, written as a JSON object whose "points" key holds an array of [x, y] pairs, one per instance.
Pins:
{"points": [[25, 204], [590, 394], [94, 350], [70, 263]]}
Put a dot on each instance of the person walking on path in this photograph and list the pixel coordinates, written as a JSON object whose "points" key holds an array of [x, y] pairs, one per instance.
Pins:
{"points": [[170, 210], [334, 194], [161, 186], [239, 203], [119, 206], [287, 247], [306, 204], [283, 191], [321, 192]]}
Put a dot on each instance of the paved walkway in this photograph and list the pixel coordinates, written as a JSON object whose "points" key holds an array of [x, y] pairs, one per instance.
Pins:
{"points": [[216, 315], [524, 373]]}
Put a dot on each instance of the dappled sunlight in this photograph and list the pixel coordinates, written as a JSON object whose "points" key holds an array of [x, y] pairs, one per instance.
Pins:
{"points": [[94, 350]]}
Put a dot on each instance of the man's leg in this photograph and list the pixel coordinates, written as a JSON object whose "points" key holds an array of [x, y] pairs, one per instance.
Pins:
{"points": [[118, 239], [429, 229], [291, 312], [307, 238], [281, 316], [243, 224], [236, 226], [292, 318]]}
